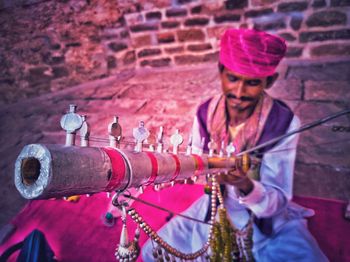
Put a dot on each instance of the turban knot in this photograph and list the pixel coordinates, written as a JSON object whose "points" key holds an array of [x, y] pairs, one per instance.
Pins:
{"points": [[251, 52]]}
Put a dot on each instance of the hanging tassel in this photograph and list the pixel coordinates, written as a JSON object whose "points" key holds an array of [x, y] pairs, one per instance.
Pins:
{"points": [[127, 250]]}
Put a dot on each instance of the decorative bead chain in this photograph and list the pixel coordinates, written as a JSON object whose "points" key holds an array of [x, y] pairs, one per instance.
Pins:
{"points": [[163, 244]]}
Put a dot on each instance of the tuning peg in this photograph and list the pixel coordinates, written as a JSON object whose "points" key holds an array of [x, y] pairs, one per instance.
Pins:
{"points": [[160, 140], [212, 147], [230, 149], [114, 132], [221, 153], [71, 122], [84, 132], [189, 146], [176, 140], [140, 134]]}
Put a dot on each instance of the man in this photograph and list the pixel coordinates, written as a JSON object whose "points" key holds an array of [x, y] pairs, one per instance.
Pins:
{"points": [[246, 116]]}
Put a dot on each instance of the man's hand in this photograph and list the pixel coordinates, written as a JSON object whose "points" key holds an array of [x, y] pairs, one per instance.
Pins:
{"points": [[237, 178]]}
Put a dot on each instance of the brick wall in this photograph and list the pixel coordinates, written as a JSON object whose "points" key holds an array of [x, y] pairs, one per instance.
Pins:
{"points": [[50, 45]]}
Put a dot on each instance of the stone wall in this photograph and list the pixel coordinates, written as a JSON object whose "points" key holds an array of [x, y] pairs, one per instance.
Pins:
{"points": [[50, 45]]}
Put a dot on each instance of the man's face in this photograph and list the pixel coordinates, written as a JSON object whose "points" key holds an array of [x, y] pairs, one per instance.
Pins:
{"points": [[242, 92]]}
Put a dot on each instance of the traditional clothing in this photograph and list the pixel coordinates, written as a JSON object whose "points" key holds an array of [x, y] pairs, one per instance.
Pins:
{"points": [[279, 229], [279, 232]]}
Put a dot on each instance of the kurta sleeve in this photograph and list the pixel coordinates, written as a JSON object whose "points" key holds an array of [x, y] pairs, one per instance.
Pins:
{"points": [[271, 194]]}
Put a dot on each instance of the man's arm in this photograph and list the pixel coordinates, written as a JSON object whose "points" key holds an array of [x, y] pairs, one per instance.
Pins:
{"points": [[271, 194]]}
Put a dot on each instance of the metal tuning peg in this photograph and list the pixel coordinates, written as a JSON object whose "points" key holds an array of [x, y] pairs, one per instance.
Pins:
{"points": [[212, 147], [114, 132], [189, 146], [221, 153], [71, 122], [160, 140], [176, 140], [140, 134], [230, 149], [84, 132]]}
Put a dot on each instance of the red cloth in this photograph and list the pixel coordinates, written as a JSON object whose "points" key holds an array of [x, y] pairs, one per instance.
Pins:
{"points": [[251, 52], [75, 231]]}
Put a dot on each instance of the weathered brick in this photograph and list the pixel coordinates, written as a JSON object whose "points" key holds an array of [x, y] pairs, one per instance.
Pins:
{"points": [[286, 89], [156, 62], [226, 18], [318, 3], [55, 46], [52, 60], [331, 49], [199, 47], [143, 27], [288, 37], [149, 52], [320, 71], [262, 2], [259, 12], [73, 44], [116, 47], [200, 21], [129, 57], [295, 22], [194, 59], [327, 91], [111, 62], [133, 18], [326, 18], [124, 34], [292, 6], [311, 36], [294, 51], [143, 40], [172, 50], [181, 2], [38, 75], [335, 179], [166, 38], [59, 71], [175, 12], [270, 25], [170, 24], [154, 15], [217, 31], [196, 10], [340, 2], [235, 4], [190, 35]]}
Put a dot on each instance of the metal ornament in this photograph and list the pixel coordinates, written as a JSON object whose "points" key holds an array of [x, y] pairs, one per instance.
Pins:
{"points": [[176, 140], [71, 122], [160, 140], [114, 132], [140, 134], [84, 132], [126, 250], [230, 149], [212, 147]]}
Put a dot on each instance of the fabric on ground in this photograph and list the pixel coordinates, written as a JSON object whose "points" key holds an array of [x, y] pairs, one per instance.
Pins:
{"points": [[76, 232]]}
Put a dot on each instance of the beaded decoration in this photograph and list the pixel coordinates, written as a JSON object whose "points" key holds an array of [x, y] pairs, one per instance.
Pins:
{"points": [[225, 242]]}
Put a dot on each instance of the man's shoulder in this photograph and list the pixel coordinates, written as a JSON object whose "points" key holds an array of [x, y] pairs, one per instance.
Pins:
{"points": [[205, 104], [281, 106]]}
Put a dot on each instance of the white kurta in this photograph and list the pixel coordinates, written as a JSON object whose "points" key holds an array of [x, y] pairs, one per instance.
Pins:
{"points": [[290, 241]]}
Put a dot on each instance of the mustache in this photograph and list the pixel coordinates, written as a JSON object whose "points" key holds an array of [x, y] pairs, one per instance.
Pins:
{"points": [[242, 98]]}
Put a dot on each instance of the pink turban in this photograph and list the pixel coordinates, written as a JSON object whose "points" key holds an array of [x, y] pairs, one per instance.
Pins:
{"points": [[251, 52]]}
